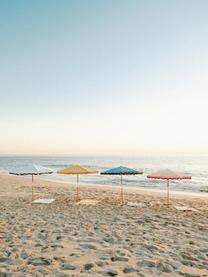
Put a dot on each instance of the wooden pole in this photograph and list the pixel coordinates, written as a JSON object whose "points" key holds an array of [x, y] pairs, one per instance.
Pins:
{"points": [[77, 191], [33, 192], [122, 198], [168, 192]]}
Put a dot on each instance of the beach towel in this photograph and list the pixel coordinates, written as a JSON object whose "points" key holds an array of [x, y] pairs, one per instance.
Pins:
{"points": [[43, 201], [134, 204], [87, 202], [185, 209]]}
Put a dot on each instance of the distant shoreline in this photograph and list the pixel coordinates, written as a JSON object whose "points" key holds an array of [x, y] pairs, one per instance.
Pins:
{"points": [[196, 167]]}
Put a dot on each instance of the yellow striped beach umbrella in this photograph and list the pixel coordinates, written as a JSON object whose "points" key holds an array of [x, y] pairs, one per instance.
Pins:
{"points": [[77, 170]]}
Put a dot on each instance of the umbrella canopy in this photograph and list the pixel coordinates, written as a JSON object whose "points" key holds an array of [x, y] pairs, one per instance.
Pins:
{"points": [[32, 170], [121, 170], [168, 175], [77, 170]]}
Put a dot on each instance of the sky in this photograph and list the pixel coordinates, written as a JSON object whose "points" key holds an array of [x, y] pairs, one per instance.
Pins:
{"points": [[108, 77]]}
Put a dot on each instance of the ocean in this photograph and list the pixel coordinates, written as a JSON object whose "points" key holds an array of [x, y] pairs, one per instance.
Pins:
{"points": [[197, 167]]}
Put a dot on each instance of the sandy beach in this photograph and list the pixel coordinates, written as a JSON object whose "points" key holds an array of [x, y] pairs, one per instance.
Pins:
{"points": [[69, 239]]}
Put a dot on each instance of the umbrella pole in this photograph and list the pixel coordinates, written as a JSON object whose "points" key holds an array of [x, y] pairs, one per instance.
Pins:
{"points": [[168, 192], [122, 198], [33, 192], [77, 192]]}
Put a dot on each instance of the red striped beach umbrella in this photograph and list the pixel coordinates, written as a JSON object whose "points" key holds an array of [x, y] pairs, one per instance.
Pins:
{"points": [[168, 175]]}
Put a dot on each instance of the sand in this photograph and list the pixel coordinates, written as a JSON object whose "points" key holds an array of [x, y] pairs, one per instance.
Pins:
{"points": [[103, 239]]}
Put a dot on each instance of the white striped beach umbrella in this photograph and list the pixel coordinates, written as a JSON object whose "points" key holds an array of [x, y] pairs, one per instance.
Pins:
{"points": [[32, 170]]}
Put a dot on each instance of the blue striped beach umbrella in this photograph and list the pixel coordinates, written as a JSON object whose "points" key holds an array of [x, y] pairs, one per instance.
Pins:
{"points": [[32, 170], [121, 170]]}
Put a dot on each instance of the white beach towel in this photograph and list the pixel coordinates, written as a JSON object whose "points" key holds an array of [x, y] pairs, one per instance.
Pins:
{"points": [[185, 209], [134, 204], [43, 201]]}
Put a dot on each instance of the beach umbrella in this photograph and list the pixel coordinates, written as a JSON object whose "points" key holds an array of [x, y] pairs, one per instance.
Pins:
{"points": [[168, 175], [32, 170], [121, 170], [77, 170]]}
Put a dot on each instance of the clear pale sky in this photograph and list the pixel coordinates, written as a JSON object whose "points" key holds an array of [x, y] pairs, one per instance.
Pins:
{"points": [[104, 77]]}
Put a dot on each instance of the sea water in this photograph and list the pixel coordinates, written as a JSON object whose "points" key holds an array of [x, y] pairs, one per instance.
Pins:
{"points": [[197, 167]]}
